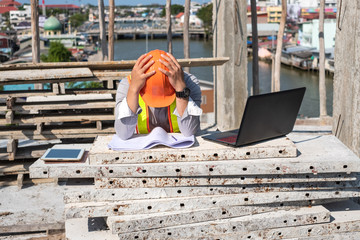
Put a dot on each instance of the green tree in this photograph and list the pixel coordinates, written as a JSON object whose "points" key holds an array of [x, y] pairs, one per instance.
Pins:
{"points": [[78, 19], [57, 53], [205, 14], [175, 9]]}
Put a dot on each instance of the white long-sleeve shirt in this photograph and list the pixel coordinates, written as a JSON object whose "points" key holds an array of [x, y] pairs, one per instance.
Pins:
{"points": [[189, 122]]}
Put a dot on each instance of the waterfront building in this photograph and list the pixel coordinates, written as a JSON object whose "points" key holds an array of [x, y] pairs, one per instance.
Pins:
{"points": [[274, 14], [18, 16], [309, 33], [8, 5]]}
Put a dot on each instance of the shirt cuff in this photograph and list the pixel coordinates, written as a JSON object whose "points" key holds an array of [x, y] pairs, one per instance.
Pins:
{"points": [[191, 109], [125, 111]]}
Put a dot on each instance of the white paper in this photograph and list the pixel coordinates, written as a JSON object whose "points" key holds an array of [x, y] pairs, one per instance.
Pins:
{"points": [[157, 136]]}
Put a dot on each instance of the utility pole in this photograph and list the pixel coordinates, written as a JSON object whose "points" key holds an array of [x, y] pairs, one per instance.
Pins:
{"points": [[111, 29], [230, 79], [168, 25], [186, 32], [255, 48], [35, 41], [104, 51], [279, 45], [322, 87]]}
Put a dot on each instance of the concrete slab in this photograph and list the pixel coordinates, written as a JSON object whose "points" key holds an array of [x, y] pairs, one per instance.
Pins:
{"points": [[151, 182], [302, 216], [202, 150], [114, 183], [33, 208], [344, 219], [132, 207], [140, 222], [318, 154], [78, 229]]}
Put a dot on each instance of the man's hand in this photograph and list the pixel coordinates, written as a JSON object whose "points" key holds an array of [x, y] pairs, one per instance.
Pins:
{"points": [[175, 72], [138, 75], [138, 80]]}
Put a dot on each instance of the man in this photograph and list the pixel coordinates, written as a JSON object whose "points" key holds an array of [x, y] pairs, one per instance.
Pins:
{"points": [[157, 94]]}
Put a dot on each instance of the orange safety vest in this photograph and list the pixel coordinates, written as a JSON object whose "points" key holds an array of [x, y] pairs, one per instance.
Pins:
{"points": [[143, 126]]}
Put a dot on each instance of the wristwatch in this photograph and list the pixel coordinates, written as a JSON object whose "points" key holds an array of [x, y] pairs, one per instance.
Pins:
{"points": [[184, 93]]}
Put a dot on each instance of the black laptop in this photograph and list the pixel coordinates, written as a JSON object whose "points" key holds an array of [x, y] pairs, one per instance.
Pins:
{"points": [[265, 116]]}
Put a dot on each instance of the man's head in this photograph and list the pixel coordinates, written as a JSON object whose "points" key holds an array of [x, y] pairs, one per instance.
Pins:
{"points": [[157, 91]]}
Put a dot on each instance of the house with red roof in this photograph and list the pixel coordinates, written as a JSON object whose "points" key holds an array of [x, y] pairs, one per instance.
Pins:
{"points": [[8, 5]]}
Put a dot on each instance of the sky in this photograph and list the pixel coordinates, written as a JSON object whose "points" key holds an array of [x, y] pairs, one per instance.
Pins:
{"points": [[117, 2]]}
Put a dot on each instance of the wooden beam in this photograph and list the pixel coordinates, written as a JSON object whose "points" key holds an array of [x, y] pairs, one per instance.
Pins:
{"points": [[10, 101], [9, 117], [12, 146], [20, 179], [49, 93], [40, 74], [113, 65]]}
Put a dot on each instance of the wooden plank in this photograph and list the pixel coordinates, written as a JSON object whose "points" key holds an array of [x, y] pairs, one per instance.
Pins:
{"points": [[152, 182], [112, 65], [12, 146], [64, 105], [132, 207], [62, 118], [98, 125], [20, 179], [9, 118], [39, 128], [296, 217], [55, 88], [41, 74], [62, 88], [14, 168], [10, 101], [57, 80], [202, 151], [58, 133], [48, 93]]}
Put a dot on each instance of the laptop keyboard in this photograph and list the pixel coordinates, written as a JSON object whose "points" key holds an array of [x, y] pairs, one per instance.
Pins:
{"points": [[230, 139]]}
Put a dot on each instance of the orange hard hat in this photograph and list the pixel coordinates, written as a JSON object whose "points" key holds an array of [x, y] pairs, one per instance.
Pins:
{"points": [[157, 91]]}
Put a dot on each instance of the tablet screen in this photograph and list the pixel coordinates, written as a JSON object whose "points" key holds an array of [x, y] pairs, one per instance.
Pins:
{"points": [[63, 154]]}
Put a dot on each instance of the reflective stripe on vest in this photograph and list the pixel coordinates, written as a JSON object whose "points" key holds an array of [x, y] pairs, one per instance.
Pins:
{"points": [[143, 126]]}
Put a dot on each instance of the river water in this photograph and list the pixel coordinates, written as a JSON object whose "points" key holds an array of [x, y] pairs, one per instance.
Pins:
{"points": [[127, 49]]}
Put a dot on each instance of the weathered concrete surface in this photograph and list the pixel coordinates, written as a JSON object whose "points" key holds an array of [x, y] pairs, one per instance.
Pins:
{"points": [[222, 181], [133, 223], [302, 216], [202, 150], [346, 99], [120, 194], [345, 217], [33, 208], [318, 154], [258, 186], [130, 207], [230, 79], [78, 229]]}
